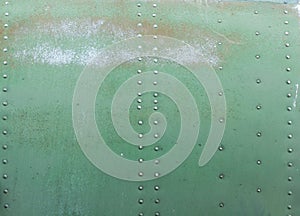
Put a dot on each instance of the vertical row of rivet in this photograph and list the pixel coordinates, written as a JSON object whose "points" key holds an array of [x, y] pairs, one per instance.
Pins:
{"points": [[4, 100], [288, 108]]}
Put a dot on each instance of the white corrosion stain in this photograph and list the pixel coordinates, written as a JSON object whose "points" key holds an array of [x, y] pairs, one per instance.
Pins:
{"points": [[79, 41], [297, 7], [296, 95]]}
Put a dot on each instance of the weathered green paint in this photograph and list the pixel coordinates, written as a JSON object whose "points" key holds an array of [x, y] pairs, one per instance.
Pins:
{"points": [[50, 43]]}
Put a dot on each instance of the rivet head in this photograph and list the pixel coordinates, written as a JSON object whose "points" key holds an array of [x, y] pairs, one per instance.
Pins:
{"points": [[139, 24], [139, 35], [286, 22], [221, 205], [154, 83], [139, 71], [5, 25], [4, 132], [140, 160], [5, 103], [139, 107], [287, 56], [257, 33], [141, 214], [155, 26], [155, 37], [155, 72], [290, 193], [287, 44], [157, 214], [156, 148], [221, 148], [154, 15], [220, 68], [4, 89], [140, 174], [5, 176], [289, 95], [140, 201], [289, 206], [156, 135], [140, 135], [6, 13], [257, 56], [290, 164], [290, 178], [258, 134], [141, 147], [5, 76], [286, 33], [139, 4], [255, 12], [258, 81], [5, 37], [258, 162], [290, 150], [157, 174], [288, 69], [289, 122], [219, 21], [155, 101], [139, 82], [140, 122], [155, 122], [290, 136], [5, 63], [258, 107], [5, 191], [6, 205], [156, 187], [221, 176], [258, 190], [155, 94], [139, 100], [285, 12], [288, 82], [155, 108], [157, 201], [154, 5], [139, 14], [5, 49], [4, 147], [289, 108]]}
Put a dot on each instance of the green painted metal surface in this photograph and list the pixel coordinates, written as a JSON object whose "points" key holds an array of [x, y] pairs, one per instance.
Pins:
{"points": [[149, 108]]}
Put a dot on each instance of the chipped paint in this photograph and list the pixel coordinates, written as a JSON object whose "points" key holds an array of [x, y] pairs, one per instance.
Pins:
{"points": [[296, 95]]}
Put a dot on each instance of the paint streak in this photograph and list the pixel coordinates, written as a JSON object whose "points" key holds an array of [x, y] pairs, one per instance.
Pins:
{"points": [[296, 95]]}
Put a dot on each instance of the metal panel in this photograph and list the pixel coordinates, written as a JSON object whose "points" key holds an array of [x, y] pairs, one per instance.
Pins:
{"points": [[149, 108]]}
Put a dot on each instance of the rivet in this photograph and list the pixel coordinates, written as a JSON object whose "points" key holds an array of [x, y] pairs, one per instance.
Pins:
{"points": [[155, 26], [154, 15], [155, 108], [5, 62], [155, 72], [140, 47], [156, 161], [219, 20], [257, 56], [286, 22], [138, 4], [289, 122], [139, 35], [141, 201], [140, 122], [157, 214], [156, 148], [221, 148], [258, 162], [6, 3], [4, 103], [287, 44], [139, 14], [257, 33], [139, 24], [219, 43], [4, 89], [5, 191], [156, 135], [155, 60], [258, 107], [155, 101], [122, 154], [141, 214], [286, 33], [139, 100], [140, 58], [155, 48], [6, 13], [155, 94], [220, 93], [157, 201], [5, 176], [140, 135], [255, 12], [289, 95], [290, 164], [288, 69], [221, 176], [5, 49], [290, 178], [221, 120], [289, 206], [139, 94], [154, 5], [5, 25], [258, 190], [4, 161], [140, 160], [220, 68], [290, 136], [4, 118], [221, 205], [141, 147], [287, 57], [156, 187], [289, 108], [154, 83], [157, 174], [258, 81], [285, 12], [4, 147], [258, 134], [139, 82], [5, 37], [155, 122], [139, 107], [290, 193], [4, 132], [5, 76], [154, 36], [6, 205], [288, 82], [140, 174], [290, 150]]}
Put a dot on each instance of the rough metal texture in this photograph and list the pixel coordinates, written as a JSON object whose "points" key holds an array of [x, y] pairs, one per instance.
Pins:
{"points": [[252, 48]]}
